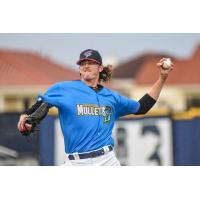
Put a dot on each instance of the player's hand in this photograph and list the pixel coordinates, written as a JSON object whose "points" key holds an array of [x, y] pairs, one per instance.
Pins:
{"points": [[164, 72], [22, 126]]}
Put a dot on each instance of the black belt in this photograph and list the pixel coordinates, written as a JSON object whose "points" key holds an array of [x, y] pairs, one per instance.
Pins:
{"points": [[91, 154]]}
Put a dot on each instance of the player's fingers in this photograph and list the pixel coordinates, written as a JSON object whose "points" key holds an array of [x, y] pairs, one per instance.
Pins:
{"points": [[162, 60], [22, 124], [159, 64], [166, 71], [22, 127], [28, 126]]}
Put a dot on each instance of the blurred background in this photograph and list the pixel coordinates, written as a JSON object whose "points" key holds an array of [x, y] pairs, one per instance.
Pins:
{"points": [[168, 135]]}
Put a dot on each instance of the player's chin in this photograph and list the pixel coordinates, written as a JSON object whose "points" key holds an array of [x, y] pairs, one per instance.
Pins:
{"points": [[88, 77]]}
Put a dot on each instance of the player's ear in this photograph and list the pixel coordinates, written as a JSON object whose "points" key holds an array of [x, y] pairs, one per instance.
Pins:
{"points": [[100, 68]]}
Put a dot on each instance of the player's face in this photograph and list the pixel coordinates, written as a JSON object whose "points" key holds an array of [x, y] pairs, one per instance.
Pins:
{"points": [[89, 70]]}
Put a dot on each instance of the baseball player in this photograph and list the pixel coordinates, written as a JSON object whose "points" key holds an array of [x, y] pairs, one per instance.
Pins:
{"points": [[87, 111]]}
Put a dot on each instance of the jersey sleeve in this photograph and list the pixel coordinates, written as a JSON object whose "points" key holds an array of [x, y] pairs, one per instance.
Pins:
{"points": [[52, 96], [126, 106]]}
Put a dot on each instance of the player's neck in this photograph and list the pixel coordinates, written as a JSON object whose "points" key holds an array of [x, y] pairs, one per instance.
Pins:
{"points": [[91, 83]]}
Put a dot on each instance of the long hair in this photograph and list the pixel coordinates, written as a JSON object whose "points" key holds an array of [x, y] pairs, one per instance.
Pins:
{"points": [[106, 74]]}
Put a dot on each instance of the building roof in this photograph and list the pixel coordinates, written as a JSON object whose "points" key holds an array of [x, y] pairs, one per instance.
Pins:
{"points": [[186, 71], [131, 68], [143, 70], [26, 68]]}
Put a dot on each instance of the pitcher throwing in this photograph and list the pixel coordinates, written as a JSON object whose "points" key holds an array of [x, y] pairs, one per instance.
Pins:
{"points": [[88, 110]]}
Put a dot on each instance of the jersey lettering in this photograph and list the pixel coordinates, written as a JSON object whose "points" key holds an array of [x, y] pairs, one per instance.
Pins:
{"points": [[94, 110]]}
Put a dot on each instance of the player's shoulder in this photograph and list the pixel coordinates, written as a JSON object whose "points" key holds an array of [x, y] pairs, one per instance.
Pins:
{"points": [[110, 91], [115, 94]]}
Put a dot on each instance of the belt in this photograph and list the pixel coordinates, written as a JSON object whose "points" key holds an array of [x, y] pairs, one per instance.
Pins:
{"points": [[92, 154]]}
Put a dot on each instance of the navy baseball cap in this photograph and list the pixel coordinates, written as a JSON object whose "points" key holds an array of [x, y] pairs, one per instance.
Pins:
{"points": [[90, 54]]}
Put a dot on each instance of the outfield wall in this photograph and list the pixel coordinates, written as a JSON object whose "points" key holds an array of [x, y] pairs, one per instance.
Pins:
{"points": [[153, 139]]}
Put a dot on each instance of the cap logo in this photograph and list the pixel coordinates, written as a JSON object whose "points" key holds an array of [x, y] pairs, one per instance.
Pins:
{"points": [[87, 53]]}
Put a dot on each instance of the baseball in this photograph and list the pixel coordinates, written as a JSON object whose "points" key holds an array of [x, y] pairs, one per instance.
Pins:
{"points": [[167, 63]]}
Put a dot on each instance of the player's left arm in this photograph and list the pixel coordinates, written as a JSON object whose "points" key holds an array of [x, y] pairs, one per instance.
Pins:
{"points": [[149, 99], [32, 117], [38, 115]]}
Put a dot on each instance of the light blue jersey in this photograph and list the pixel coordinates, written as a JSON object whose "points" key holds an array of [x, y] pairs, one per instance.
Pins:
{"points": [[87, 117]]}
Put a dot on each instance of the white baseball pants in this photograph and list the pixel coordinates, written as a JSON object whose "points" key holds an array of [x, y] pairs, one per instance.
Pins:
{"points": [[108, 159]]}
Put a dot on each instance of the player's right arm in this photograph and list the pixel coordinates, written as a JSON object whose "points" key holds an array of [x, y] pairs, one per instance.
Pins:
{"points": [[126, 106], [163, 74]]}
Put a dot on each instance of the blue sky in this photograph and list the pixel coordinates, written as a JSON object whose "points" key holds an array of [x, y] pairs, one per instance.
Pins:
{"points": [[65, 48]]}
